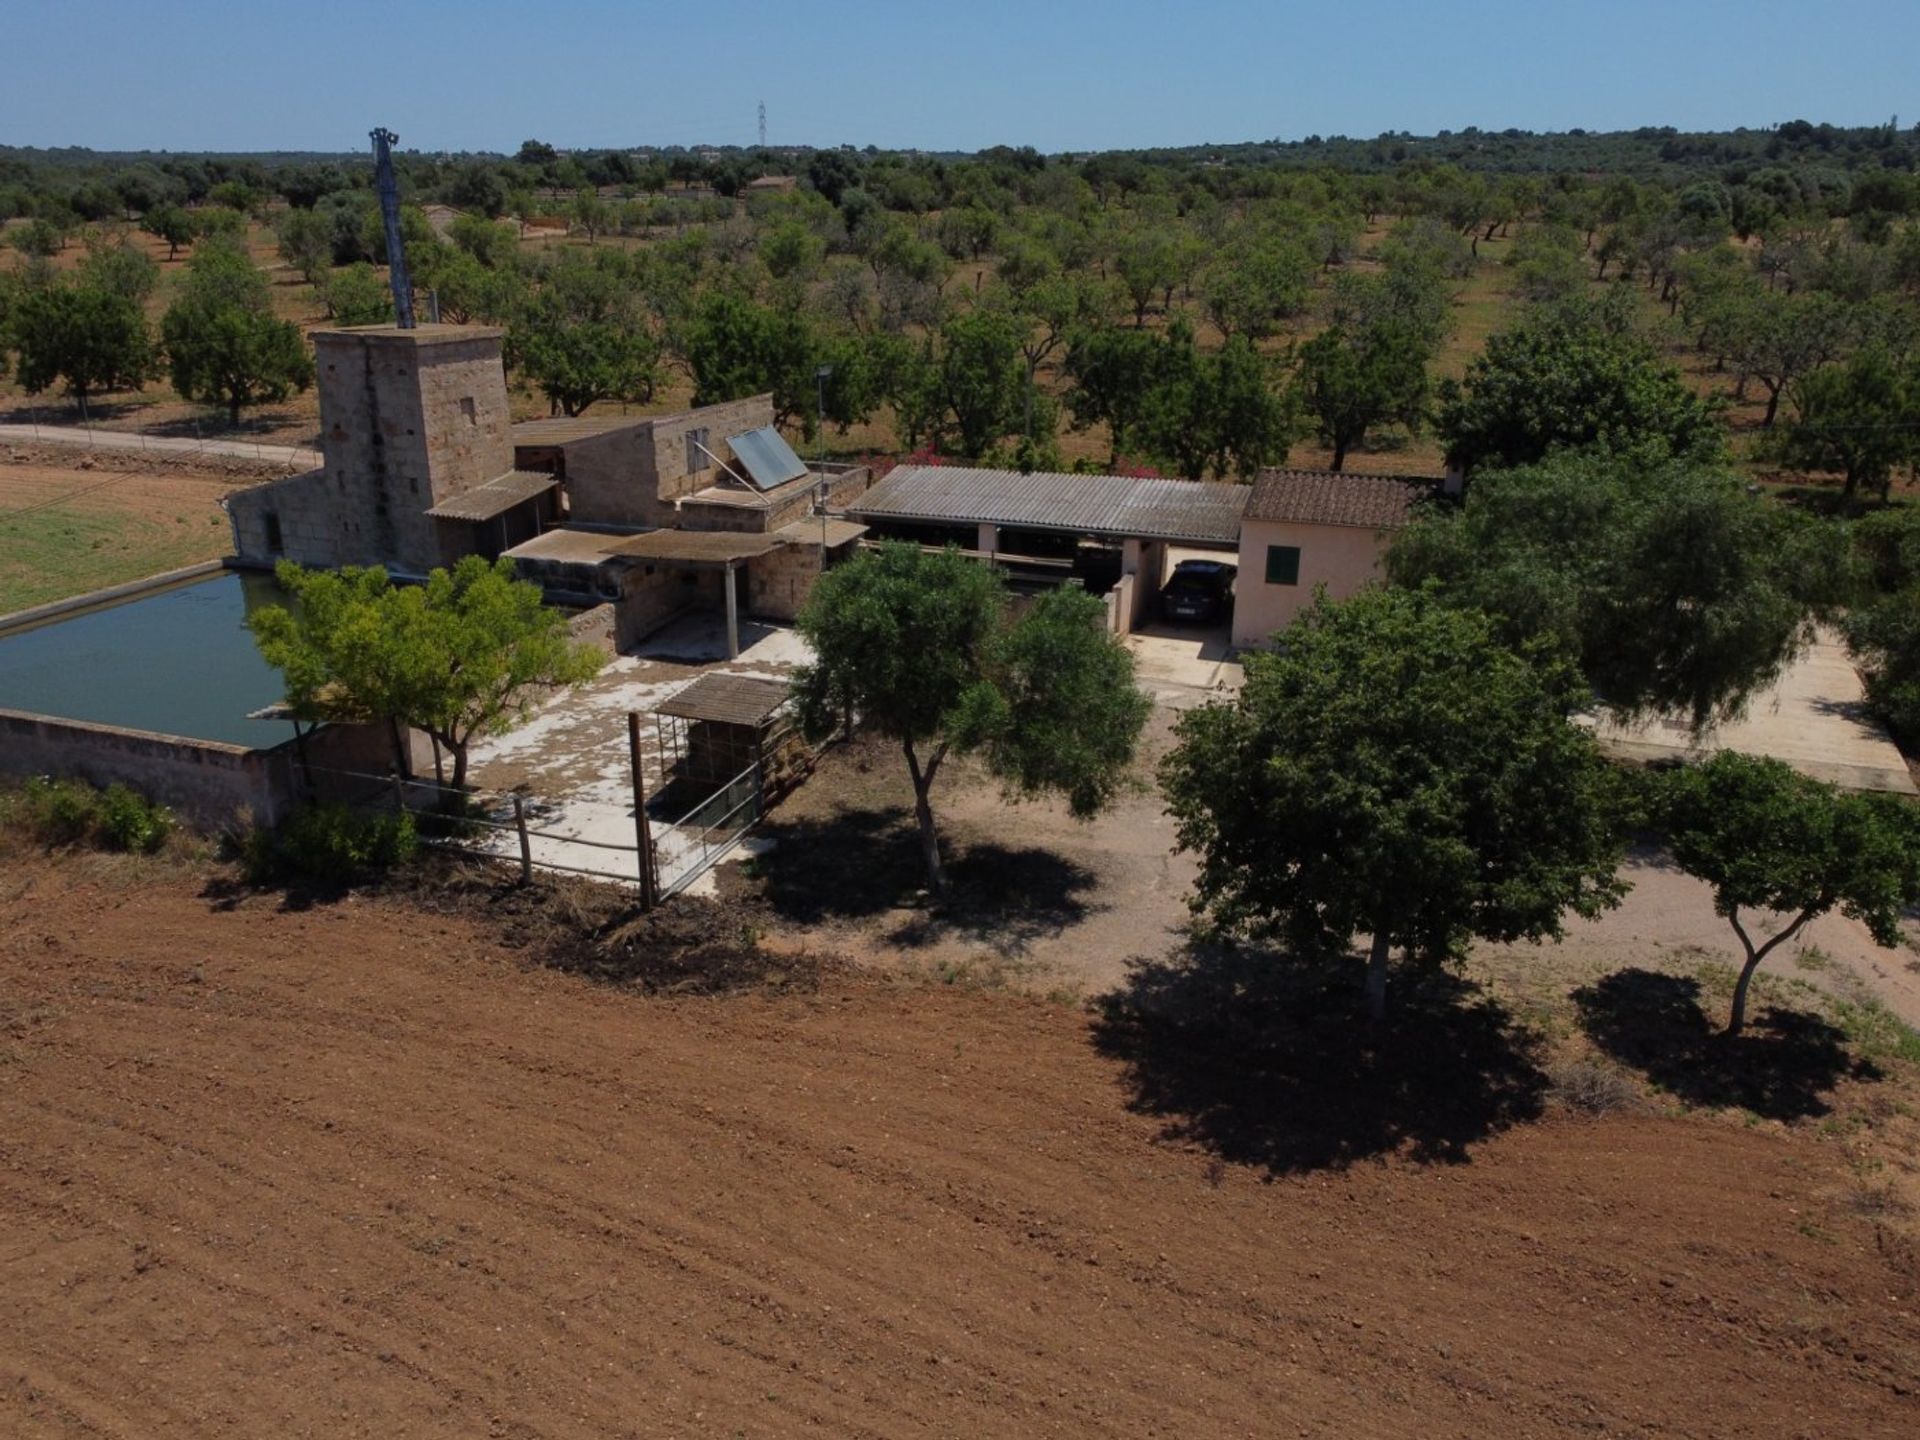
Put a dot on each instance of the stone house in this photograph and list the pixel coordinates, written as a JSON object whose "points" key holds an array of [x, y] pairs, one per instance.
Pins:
{"points": [[656, 514]]}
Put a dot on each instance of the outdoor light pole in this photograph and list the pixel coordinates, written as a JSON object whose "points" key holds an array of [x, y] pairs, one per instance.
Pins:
{"points": [[820, 377]]}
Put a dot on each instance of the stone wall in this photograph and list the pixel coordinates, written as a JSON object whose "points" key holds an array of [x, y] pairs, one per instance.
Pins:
{"points": [[305, 510], [651, 595], [408, 418], [666, 473], [778, 583], [604, 477], [596, 627]]}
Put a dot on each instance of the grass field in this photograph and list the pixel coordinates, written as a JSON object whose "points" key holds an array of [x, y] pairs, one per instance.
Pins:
{"points": [[65, 532]]}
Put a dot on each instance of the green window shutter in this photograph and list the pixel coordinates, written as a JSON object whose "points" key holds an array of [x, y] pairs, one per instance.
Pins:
{"points": [[1283, 564]]}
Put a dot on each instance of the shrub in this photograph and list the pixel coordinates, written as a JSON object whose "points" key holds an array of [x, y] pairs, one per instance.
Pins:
{"points": [[1592, 1088], [130, 821], [329, 843], [58, 812]]}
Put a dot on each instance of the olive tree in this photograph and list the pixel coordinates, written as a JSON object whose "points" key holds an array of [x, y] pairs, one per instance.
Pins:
{"points": [[1394, 770], [920, 647]]}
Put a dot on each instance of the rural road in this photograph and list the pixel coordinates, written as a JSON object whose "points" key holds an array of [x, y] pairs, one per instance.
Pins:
{"points": [[294, 457]]}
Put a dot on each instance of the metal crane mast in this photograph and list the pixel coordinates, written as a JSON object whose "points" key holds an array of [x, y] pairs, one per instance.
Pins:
{"points": [[397, 277]]}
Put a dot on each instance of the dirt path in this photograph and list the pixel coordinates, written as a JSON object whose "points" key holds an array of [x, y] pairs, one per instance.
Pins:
{"points": [[353, 1170], [1058, 904], [291, 457]]}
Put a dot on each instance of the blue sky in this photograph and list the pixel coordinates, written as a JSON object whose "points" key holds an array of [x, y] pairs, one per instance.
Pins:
{"points": [[1058, 74]]}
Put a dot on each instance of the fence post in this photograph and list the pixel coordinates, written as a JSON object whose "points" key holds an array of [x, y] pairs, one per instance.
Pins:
{"points": [[399, 794], [649, 880], [526, 848]]}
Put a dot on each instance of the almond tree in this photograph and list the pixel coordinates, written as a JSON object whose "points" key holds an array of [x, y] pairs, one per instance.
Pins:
{"points": [[1766, 837]]}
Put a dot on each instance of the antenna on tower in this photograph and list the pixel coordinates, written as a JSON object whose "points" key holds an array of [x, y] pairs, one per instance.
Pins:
{"points": [[763, 124], [397, 278]]}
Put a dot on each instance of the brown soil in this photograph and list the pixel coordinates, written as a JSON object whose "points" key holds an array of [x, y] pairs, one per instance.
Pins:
{"points": [[356, 1169]]}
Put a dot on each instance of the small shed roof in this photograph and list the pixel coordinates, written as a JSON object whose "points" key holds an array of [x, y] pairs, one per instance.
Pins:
{"points": [[495, 498], [808, 532], [568, 544], [695, 547], [1335, 497], [727, 700], [1150, 508], [562, 430]]}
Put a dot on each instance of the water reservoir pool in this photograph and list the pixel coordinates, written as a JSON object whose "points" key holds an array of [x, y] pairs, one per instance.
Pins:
{"points": [[178, 661]]}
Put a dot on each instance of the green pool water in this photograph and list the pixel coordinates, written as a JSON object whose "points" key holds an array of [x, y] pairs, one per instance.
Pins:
{"points": [[179, 661]]}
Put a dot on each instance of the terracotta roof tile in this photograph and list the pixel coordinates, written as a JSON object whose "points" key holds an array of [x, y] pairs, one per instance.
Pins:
{"points": [[1333, 497]]}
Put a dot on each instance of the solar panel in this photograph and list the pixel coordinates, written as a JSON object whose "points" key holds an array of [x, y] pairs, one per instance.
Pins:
{"points": [[768, 458]]}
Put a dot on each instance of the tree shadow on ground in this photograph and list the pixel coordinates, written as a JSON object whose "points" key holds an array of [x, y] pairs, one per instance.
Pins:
{"points": [[1268, 1060], [861, 863], [1782, 1068]]}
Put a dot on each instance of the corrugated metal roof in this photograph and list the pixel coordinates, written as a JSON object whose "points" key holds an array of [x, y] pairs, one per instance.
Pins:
{"points": [[1113, 505], [727, 700], [695, 547], [495, 498], [767, 456], [1336, 497]]}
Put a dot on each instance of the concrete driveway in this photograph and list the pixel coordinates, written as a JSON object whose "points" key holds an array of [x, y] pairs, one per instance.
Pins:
{"points": [[1814, 718], [1184, 666]]}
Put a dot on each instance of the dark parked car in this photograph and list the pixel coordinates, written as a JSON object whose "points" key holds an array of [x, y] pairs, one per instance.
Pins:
{"points": [[1199, 591]]}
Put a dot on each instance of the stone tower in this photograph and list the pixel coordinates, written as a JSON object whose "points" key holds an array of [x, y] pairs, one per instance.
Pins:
{"points": [[408, 419]]}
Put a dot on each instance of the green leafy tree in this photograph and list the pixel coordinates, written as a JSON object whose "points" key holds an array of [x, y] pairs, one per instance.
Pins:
{"points": [[39, 239], [465, 655], [224, 345], [1672, 587], [1214, 414], [983, 378], [1113, 373], [792, 250], [356, 295], [582, 336], [1394, 770], [1349, 383], [1765, 837], [577, 363], [120, 268], [1860, 418], [1776, 339], [87, 337], [1885, 639], [1567, 381], [918, 644], [736, 347], [306, 243], [1250, 290]]}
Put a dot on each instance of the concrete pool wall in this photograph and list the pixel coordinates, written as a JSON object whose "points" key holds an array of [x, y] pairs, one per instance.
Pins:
{"points": [[212, 783]]}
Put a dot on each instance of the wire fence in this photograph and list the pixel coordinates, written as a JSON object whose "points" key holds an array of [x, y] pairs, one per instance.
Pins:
{"points": [[663, 859]]}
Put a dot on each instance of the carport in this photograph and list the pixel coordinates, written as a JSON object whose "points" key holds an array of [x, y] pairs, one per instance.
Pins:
{"points": [[1145, 514], [724, 552]]}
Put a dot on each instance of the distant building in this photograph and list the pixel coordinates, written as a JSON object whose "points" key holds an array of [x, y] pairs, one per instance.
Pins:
{"points": [[770, 185]]}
